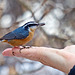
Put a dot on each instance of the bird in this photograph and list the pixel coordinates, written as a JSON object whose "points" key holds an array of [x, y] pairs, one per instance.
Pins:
{"points": [[21, 35]]}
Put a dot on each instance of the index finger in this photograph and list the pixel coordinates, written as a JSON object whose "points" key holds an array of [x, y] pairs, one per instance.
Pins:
{"points": [[33, 53]]}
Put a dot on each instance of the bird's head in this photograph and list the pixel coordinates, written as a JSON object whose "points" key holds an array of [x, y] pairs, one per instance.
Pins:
{"points": [[32, 25]]}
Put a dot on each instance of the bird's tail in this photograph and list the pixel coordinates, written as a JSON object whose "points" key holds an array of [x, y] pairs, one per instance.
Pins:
{"points": [[1, 39]]}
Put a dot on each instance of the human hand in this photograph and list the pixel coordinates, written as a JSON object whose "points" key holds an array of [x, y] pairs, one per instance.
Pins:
{"points": [[62, 59]]}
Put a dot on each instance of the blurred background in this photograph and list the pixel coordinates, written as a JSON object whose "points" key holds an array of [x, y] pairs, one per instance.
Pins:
{"points": [[59, 31]]}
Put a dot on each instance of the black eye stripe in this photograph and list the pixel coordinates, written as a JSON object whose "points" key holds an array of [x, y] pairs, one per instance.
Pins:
{"points": [[29, 24], [32, 25]]}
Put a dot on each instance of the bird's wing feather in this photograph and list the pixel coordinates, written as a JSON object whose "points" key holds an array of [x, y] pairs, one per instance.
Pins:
{"points": [[21, 34], [16, 34], [8, 36]]}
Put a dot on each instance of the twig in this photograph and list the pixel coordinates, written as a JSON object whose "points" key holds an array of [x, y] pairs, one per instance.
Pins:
{"points": [[28, 8]]}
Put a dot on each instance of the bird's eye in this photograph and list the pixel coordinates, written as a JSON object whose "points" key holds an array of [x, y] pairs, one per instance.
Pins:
{"points": [[26, 28]]}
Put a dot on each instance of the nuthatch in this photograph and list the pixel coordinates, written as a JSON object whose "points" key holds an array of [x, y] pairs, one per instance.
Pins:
{"points": [[21, 35]]}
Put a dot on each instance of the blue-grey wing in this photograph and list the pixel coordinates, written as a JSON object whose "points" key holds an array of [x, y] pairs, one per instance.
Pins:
{"points": [[21, 34], [16, 34], [8, 36]]}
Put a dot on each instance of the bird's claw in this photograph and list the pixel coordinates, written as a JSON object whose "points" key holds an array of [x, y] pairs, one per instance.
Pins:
{"points": [[27, 47], [24, 47], [13, 53]]}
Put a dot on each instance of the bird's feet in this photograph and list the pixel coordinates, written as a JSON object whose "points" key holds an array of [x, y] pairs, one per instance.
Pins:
{"points": [[24, 47], [13, 53], [21, 47]]}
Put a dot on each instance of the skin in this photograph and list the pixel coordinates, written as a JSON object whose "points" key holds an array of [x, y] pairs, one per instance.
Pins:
{"points": [[62, 59]]}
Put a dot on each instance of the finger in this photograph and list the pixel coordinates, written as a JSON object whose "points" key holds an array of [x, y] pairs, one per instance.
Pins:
{"points": [[33, 53], [8, 51]]}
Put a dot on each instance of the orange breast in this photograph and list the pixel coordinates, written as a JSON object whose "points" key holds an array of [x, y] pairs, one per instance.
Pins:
{"points": [[20, 42]]}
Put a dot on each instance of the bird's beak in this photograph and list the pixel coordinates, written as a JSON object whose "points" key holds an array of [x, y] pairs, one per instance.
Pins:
{"points": [[41, 24]]}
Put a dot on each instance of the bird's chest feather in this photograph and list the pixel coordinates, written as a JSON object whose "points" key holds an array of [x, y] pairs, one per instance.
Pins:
{"points": [[19, 42]]}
